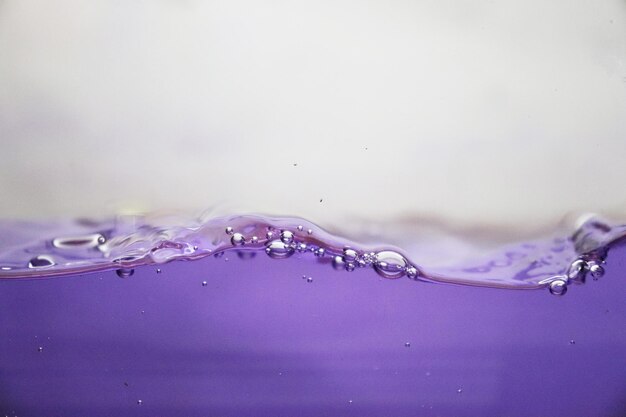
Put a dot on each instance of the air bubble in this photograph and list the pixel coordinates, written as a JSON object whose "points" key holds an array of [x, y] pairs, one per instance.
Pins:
{"points": [[41, 261], [300, 228], [277, 249], [158, 271], [237, 239], [349, 255], [407, 344], [286, 236], [390, 264], [301, 247], [558, 287], [125, 273], [319, 252], [204, 283], [309, 232], [350, 266], [309, 280], [596, 271], [139, 402], [229, 230], [411, 272], [79, 242], [269, 235], [338, 262], [254, 240], [40, 349]]}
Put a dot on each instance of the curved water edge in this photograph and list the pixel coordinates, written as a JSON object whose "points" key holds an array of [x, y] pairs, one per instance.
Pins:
{"points": [[39, 250]]}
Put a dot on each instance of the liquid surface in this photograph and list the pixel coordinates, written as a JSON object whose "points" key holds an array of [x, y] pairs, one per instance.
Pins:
{"points": [[39, 249]]}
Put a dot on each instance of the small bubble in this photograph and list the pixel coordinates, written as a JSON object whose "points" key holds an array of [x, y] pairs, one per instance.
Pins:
{"points": [[349, 255], [300, 228], [411, 272], [125, 273], [41, 261], [321, 199], [309, 279], [143, 311], [338, 262], [596, 271], [278, 250], [254, 240], [572, 342], [350, 266], [78, 242], [237, 239], [349, 401], [139, 402], [407, 344], [309, 232], [319, 252], [204, 283], [158, 271], [390, 264], [460, 390], [40, 349], [301, 247], [303, 276], [295, 164], [229, 230], [558, 287], [286, 236]]}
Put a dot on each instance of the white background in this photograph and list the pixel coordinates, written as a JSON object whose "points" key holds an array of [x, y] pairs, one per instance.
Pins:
{"points": [[469, 111]]}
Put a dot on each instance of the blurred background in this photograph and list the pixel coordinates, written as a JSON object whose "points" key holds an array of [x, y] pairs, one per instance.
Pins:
{"points": [[474, 112]]}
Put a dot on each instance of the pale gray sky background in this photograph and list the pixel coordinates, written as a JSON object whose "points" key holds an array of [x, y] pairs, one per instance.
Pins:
{"points": [[472, 111]]}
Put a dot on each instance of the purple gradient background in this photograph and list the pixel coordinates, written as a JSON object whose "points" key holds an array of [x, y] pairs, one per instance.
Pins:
{"points": [[259, 340]]}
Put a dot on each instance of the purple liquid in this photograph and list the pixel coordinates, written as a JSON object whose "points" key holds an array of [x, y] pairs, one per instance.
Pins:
{"points": [[237, 332]]}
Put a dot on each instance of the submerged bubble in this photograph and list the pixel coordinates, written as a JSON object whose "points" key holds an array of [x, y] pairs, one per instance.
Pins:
{"points": [[390, 264], [319, 252], [158, 271], [309, 280], [349, 255], [596, 271], [124, 273], [254, 240], [41, 261], [300, 228], [338, 262], [204, 283], [237, 239], [40, 349], [558, 287], [229, 230], [407, 344], [277, 249], [286, 236], [411, 272]]}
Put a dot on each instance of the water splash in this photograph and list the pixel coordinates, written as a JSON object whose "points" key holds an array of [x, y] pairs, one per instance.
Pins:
{"points": [[35, 250]]}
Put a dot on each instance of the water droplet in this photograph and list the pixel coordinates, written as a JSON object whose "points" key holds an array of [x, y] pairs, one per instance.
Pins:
{"points": [[390, 264], [300, 228], [558, 287], [286, 236], [204, 283], [237, 239], [124, 273], [278, 250], [349, 255], [407, 344], [309, 279], [41, 261], [596, 271], [229, 230]]}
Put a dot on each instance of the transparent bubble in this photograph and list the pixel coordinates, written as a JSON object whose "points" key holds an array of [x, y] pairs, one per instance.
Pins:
{"points": [[301, 247], [411, 272], [338, 262], [350, 266], [407, 344], [596, 271], [390, 264], [158, 271], [254, 240], [237, 239], [300, 228], [79, 242], [41, 261], [558, 287], [229, 230], [577, 270], [309, 279], [319, 252], [309, 232], [204, 283], [286, 236], [349, 255], [278, 249], [124, 273]]}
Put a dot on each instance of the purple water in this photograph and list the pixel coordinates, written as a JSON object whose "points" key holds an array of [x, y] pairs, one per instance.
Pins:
{"points": [[251, 315]]}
